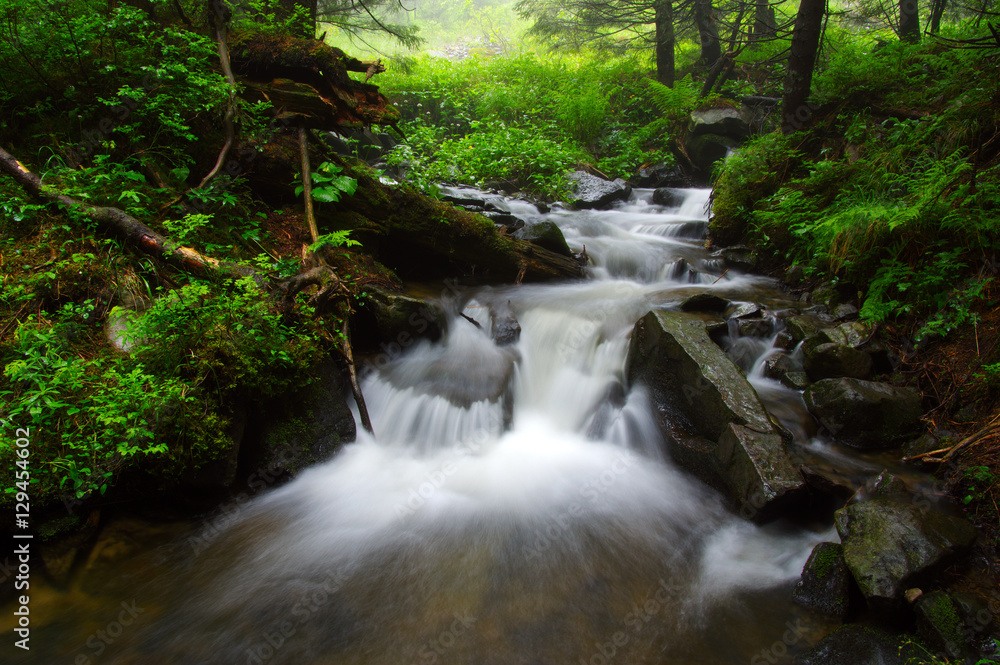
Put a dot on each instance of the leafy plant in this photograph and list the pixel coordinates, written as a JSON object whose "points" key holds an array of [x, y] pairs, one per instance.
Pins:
{"points": [[329, 185]]}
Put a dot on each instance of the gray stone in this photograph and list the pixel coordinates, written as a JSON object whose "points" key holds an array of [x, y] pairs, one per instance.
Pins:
{"points": [[825, 294], [707, 149], [888, 542], [593, 192], [803, 326], [756, 327], [865, 414], [545, 234], [737, 256], [661, 175], [844, 312], [713, 419], [744, 310], [856, 644], [307, 427], [399, 318], [757, 471], [668, 197], [704, 302], [826, 583], [830, 361], [794, 274], [505, 328], [940, 625], [795, 380], [724, 122]]}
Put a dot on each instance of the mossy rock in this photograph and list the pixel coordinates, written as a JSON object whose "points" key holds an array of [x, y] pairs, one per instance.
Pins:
{"points": [[826, 582], [865, 414]]}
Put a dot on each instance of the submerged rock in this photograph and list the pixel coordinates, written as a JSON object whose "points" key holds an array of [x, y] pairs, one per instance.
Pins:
{"points": [[856, 644], [505, 328], [826, 582], [865, 414], [712, 417], [668, 197], [888, 542], [593, 192]]}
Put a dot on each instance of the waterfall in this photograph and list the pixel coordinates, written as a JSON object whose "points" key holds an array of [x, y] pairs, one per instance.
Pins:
{"points": [[515, 506]]}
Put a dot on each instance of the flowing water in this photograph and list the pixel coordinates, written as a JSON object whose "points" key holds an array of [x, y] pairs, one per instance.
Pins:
{"points": [[516, 505]]}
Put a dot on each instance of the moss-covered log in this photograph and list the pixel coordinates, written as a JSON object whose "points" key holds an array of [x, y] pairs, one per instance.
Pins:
{"points": [[421, 237], [309, 78]]}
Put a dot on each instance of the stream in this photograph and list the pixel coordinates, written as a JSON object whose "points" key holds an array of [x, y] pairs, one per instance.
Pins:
{"points": [[516, 505]]}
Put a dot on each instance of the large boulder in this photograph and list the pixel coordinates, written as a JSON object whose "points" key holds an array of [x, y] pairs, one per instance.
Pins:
{"points": [[589, 191], [889, 542], [394, 317], [661, 175], [865, 414], [545, 234], [712, 417], [722, 122], [830, 361], [826, 584], [706, 149]]}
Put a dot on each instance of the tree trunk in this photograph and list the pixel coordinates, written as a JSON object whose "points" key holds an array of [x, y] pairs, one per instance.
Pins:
{"points": [[795, 107], [937, 12], [909, 21], [764, 24], [665, 42], [708, 32]]}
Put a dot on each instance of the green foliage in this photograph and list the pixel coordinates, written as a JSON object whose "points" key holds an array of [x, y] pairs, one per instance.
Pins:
{"points": [[335, 239], [329, 185], [525, 120], [163, 405]]}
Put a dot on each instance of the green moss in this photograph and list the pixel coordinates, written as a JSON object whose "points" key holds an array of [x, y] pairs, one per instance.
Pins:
{"points": [[825, 558], [940, 612]]}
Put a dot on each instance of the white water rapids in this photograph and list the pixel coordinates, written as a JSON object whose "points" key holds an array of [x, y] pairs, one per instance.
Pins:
{"points": [[516, 505]]}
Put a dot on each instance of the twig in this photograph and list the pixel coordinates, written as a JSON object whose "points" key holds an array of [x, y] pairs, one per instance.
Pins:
{"points": [[307, 183], [969, 440], [721, 276], [227, 122]]}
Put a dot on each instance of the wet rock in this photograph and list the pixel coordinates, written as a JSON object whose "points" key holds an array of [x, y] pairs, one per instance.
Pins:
{"points": [[856, 644], [887, 485], [661, 175], [306, 427], [504, 327], [756, 327], [713, 419], [547, 235], [707, 149], [865, 414], [844, 312], [794, 274], [795, 380], [668, 197], [744, 310], [757, 471], [593, 192], [398, 318], [826, 294], [826, 582], [722, 122], [784, 341], [889, 542], [739, 257], [803, 326], [925, 443], [780, 365], [704, 302], [940, 625], [511, 222], [830, 361]]}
